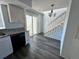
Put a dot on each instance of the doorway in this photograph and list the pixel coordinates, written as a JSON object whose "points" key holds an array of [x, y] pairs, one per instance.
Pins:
{"points": [[31, 22]]}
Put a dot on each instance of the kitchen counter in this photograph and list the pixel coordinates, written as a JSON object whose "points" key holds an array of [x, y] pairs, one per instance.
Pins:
{"points": [[4, 36]]}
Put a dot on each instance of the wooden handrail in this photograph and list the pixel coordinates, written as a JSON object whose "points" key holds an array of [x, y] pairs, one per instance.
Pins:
{"points": [[57, 18], [55, 28]]}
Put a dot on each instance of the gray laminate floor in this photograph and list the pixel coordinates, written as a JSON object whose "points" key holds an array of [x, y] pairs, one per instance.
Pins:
{"points": [[40, 47]]}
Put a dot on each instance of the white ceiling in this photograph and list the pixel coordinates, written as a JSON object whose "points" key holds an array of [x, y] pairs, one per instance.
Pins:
{"points": [[45, 5]]}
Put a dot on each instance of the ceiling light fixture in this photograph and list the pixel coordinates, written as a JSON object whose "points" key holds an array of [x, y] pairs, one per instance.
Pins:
{"points": [[50, 14]]}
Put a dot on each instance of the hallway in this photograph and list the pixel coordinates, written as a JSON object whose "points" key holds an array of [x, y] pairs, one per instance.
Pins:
{"points": [[40, 48]]}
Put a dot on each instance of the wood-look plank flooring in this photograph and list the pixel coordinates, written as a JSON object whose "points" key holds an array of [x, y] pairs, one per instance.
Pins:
{"points": [[40, 47]]}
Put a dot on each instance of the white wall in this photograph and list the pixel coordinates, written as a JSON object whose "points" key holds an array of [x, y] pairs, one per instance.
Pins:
{"points": [[40, 23], [60, 15], [71, 40], [28, 2], [65, 25]]}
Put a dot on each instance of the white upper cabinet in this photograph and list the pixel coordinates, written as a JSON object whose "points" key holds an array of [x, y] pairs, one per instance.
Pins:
{"points": [[11, 16], [16, 13], [2, 25]]}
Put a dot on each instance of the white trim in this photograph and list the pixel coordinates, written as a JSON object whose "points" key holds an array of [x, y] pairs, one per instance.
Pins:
{"points": [[8, 7], [3, 23]]}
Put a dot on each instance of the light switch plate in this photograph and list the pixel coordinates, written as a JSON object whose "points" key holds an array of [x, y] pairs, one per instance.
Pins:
{"points": [[77, 34]]}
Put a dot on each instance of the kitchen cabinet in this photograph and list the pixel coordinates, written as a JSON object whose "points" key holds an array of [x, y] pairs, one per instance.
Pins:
{"points": [[5, 46], [16, 13], [11, 17], [2, 25]]}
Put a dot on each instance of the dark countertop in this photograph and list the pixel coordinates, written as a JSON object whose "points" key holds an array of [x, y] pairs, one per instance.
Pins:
{"points": [[4, 36]]}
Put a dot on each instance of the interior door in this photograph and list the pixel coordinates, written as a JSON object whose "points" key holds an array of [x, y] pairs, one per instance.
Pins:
{"points": [[34, 25], [31, 24]]}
